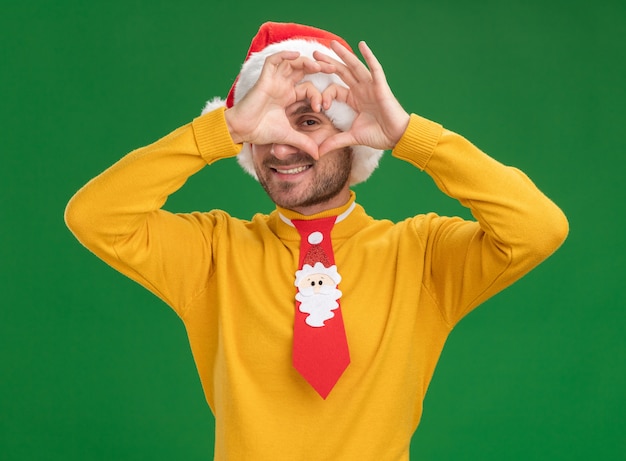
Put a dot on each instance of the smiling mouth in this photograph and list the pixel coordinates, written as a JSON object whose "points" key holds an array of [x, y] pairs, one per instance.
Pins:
{"points": [[295, 170]]}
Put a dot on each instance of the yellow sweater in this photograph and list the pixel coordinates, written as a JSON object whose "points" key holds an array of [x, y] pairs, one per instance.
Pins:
{"points": [[231, 281]]}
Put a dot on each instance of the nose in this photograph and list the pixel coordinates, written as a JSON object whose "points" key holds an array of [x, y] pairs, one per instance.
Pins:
{"points": [[282, 151]]}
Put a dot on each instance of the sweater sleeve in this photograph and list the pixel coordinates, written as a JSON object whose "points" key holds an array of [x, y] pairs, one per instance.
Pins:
{"points": [[118, 214], [516, 225]]}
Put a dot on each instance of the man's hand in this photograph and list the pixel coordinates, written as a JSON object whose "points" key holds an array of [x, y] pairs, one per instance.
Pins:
{"points": [[380, 121], [260, 118]]}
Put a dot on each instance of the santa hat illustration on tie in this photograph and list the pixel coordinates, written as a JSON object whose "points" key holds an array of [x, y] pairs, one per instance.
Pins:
{"points": [[272, 38]]}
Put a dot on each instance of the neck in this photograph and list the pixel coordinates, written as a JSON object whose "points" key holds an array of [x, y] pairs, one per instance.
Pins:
{"points": [[324, 212], [337, 201]]}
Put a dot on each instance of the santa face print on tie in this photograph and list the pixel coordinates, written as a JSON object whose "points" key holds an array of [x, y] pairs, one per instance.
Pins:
{"points": [[317, 292]]}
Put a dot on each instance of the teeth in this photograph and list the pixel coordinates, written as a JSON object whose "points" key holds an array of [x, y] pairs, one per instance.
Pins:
{"points": [[293, 170]]}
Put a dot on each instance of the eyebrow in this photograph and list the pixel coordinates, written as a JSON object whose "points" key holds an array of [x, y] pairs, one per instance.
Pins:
{"points": [[302, 109], [306, 109]]}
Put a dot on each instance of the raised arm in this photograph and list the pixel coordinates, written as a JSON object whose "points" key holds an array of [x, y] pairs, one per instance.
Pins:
{"points": [[118, 214], [119, 217], [516, 225]]}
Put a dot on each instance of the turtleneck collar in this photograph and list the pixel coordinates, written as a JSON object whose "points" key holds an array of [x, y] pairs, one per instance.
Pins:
{"points": [[289, 215], [280, 219], [340, 217]]}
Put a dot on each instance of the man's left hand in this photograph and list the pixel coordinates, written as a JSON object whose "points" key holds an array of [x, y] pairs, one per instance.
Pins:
{"points": [[381, 120]]}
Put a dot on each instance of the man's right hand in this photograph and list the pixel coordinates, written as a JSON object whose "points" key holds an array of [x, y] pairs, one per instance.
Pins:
{"points": [[260, 118]]}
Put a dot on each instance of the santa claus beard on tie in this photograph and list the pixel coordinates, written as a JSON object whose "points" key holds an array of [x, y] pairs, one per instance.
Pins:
{"points": [[319, 302]]}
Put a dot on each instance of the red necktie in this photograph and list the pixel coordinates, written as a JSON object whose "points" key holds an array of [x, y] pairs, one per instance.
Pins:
{"points": [[320, 347]]}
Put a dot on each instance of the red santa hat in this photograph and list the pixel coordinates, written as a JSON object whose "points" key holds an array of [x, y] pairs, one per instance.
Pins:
{"points": [[275, 37]]}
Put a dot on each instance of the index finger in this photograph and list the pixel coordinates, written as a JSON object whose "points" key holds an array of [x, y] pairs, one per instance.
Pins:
{"points": [[277, 58], [300, 66], [359, 70], [374, 65], [340, 68]]}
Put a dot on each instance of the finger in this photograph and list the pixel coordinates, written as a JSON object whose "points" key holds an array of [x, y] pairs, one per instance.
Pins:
{"points": [[337, 141], [340, 68], [359, 71], [302, 142], [276, 59], [308, 91], [279, 57], [296, 139], [327, 68], [311, 66], [376, 69], [297, 68], [323, 57], [282, 63], [308, 65], [332, 93]]}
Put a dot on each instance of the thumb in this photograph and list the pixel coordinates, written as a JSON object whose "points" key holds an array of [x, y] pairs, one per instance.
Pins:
{"points": [[302, 142], [336, 141]]}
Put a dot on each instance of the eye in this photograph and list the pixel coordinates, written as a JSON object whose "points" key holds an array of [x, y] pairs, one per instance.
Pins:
{"points": [[308, 123], [320, 283], [312, 283]]}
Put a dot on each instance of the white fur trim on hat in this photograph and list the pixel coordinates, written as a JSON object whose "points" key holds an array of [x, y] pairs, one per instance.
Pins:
{"points": [[365, 159]]}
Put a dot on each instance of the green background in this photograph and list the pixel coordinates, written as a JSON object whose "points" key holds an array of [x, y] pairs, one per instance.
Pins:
{"points": [[93, 367]]}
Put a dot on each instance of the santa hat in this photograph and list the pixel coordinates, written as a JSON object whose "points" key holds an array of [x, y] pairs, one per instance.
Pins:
{"points": [[275, 37]]}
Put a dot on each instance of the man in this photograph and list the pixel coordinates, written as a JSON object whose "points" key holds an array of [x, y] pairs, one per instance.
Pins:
{"points": [[315, 329]]}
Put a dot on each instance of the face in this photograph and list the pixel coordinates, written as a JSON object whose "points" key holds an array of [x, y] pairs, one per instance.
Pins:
{"points": [[316, 283], [295, 180]]}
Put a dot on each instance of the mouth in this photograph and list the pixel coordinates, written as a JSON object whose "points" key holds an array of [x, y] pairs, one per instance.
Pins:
{"points": [[291, 171]]}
